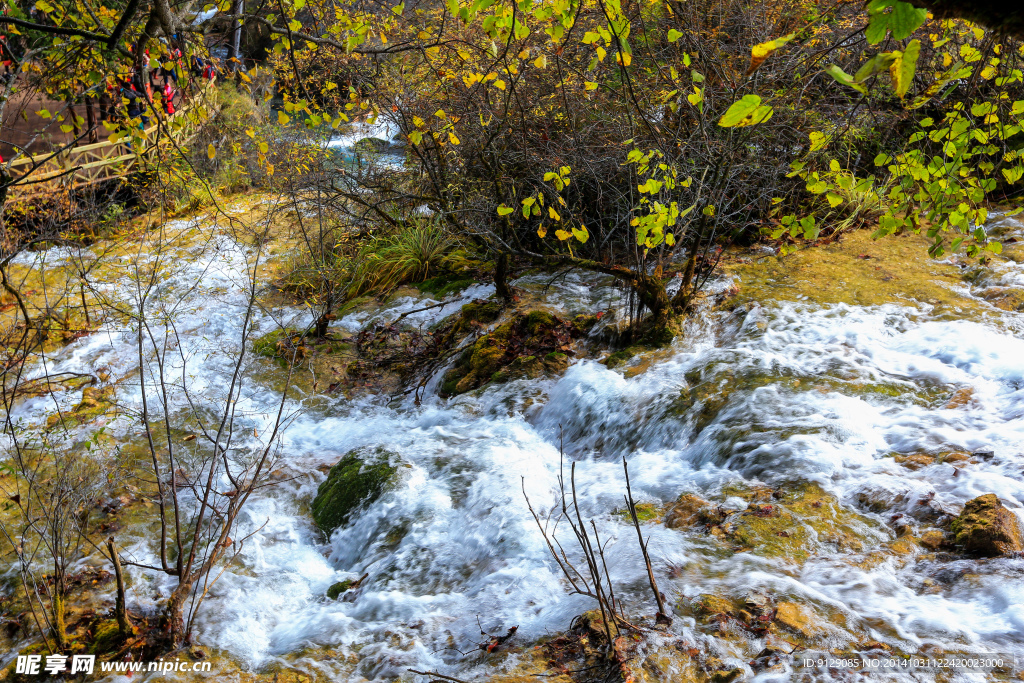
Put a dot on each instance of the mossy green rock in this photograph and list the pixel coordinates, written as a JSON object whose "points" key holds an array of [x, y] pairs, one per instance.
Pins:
{"points": [[96, 402], [360, 478], [272, 344], [801, 520], [987, 528], [525, 345], [105, 637], [338, 588]]}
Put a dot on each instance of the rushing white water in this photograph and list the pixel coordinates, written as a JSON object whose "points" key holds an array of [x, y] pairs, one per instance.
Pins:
{"points": [[813, 393]]}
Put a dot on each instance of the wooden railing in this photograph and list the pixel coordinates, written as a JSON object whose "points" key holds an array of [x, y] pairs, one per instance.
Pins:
{"points": [[99, 161]]}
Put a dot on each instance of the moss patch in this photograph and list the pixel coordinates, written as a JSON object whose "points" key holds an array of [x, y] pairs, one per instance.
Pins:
{"points": [[280, 343], [360, 478], [526, 345], [986, 527], [96, 402], [858, 271], [444, 285]]}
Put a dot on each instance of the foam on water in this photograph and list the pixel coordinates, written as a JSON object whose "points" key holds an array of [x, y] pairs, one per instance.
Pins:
{"points": [[825, 394]]}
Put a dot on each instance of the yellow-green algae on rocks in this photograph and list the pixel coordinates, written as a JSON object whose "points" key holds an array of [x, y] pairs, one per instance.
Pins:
{"points": [[856, 270]]}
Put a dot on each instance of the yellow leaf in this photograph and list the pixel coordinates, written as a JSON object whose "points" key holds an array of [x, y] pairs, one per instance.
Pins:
{"points": [[540, 62], [562, 234], [282, 118], [590, 85], [762, 51], [553, 214], [211, 151], [452, 137], [499, 84], [542, 231]]}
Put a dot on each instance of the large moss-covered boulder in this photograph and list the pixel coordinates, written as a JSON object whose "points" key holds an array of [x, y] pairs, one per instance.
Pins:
{"points": [[525, 345], [987, 528], [360, 478]]}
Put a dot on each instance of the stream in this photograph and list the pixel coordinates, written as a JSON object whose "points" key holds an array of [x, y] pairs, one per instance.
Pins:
{"points": [[773, 394]]}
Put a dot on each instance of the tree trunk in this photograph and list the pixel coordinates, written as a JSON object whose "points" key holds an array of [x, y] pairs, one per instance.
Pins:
{"points": [[90, 118], [173, 621], [124, 627], [682, 298], [501, 285]]}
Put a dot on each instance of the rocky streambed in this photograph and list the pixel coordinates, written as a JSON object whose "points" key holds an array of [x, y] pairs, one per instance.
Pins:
{"points": [[827, 458]]}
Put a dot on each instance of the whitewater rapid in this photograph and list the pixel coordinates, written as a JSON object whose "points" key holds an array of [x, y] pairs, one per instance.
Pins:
{"points": [[820, 393]]}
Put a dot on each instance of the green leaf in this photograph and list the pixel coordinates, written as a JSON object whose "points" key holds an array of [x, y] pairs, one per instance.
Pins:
{"points": [[504, 210], [877, 64], [747, 111], [903, 68], [674, 35], [903, 20], [834, 200], [1014, 174], [995, 247], [846, 79]]}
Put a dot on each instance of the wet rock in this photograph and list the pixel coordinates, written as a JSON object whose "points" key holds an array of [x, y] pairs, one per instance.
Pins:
{"points": [[358, 479], [371, 145], [960, 398], [527, 345], [340, 587], [708, 605], [757, 611], [1006, 298], [882, 497], [915, 461], [933, 539], [803, 519], [689, 511], [986, 527], [798, 619], [96, 402], [282, 343], [769, 659]]}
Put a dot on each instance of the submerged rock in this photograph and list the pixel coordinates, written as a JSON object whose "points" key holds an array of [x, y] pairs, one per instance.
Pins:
{"points": [[96, 402], [281, 343], [802, 520], [359, 479], [798, 619], [689, 511], [986, 527]]}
